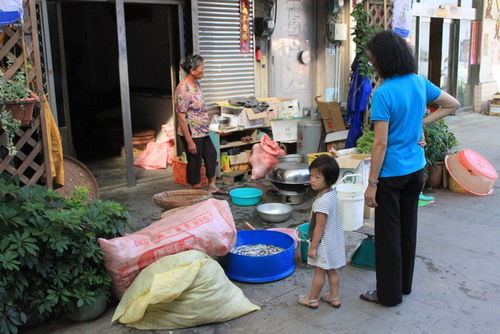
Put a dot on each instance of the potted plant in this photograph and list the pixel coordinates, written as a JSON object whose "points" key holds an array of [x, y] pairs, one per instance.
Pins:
{"points": [[50, 262], [440, 142], [17, 98], [365, 142]]}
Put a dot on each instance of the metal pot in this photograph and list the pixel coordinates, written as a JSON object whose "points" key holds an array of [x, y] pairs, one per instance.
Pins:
{"points": [[299, 158], [274, 212], [291, 173]]}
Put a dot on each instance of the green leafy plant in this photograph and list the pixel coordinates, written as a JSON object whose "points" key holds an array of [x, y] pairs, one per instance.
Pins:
{"points": [[10, 126], [362, 34], [440, 142], [11, 90], [50, 261], [14, 89], [365, 142]]}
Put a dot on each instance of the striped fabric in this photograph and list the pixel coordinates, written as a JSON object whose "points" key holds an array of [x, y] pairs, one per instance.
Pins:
{"points": [[331, 249]]}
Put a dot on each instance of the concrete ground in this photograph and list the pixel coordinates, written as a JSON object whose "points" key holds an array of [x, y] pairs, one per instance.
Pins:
{"points": [[456, 282]]}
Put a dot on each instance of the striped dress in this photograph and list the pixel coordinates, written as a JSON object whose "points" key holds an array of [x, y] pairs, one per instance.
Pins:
{"points": [[331, 249]]}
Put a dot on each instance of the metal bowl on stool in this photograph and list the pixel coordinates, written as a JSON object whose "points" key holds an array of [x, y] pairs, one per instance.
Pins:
{"points": [[274, 212]]}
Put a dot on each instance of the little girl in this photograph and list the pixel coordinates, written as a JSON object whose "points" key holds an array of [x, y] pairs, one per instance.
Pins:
{"points": [[327, 245]]}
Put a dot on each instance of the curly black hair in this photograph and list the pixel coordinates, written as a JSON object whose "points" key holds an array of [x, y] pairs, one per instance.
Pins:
{"points": [[391, 55], [328, 167], [192, 62]]}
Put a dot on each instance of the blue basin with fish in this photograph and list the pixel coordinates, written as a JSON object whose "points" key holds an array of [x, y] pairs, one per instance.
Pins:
{"points": [[260, 269]]}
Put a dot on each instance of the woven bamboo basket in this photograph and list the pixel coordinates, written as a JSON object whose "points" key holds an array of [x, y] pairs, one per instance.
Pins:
{"points": [[175, 198]]}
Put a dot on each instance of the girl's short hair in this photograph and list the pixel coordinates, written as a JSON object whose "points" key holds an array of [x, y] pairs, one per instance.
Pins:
{"points": [[391, 54], [192, 62], [328, 167]]}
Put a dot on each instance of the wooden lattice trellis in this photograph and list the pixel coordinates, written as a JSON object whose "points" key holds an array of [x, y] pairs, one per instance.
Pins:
{"points": [[379, 13], [20, 44]]}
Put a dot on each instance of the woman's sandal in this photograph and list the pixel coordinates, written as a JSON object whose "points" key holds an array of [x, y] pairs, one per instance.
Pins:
{"points": [[331, 301], [370, 296], [219, 192], [307, 303]]}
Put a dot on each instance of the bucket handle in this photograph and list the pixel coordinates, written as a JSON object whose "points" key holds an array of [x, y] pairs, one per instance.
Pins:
{"points": [[345, 177], [299, 239]]}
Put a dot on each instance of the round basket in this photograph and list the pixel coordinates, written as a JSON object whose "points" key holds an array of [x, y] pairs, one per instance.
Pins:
{"points": [[77, 174], [176, 198]]}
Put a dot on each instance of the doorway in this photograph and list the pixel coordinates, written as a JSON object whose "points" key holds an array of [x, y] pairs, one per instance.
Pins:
{"points": [[444, 55], [86, 38]]}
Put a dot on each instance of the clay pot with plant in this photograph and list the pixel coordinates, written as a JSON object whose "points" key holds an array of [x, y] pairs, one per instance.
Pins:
{"points": [[16, 97], [440, 142]]}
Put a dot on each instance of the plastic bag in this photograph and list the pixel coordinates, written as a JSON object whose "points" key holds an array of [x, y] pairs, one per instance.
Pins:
{"points": [[155, 156], [182, 290], [264, 157], [402, 17], [207, 226], [161, 153]]}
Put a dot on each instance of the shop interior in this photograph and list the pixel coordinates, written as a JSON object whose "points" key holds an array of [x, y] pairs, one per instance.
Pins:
{"points": [[84, 43]]}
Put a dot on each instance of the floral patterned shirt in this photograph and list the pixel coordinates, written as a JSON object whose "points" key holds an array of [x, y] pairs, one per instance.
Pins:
{"points": [[189, 101]]}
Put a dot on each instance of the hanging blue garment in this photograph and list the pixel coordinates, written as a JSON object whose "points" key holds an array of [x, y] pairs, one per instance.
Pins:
{"points": [[7, 18], [357, 101], [11, 11]]}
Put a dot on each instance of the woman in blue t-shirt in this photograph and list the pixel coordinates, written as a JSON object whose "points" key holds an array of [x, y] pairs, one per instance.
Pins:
{"points": [[397, 161]]}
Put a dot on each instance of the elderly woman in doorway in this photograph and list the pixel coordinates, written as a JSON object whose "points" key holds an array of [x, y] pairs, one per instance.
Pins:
{"points": [[398, 161], [193, 122]]}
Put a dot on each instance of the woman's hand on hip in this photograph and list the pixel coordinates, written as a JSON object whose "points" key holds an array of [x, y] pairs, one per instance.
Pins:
{"points": [[422, 141], [370, 194], [192, 147]]}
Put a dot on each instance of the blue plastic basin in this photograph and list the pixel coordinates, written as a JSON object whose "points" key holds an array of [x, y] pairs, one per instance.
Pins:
{"points": [[260, 269], [245, 196]]}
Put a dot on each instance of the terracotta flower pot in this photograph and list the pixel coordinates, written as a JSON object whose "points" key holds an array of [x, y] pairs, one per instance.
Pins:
{"points": [[23, 109], [435, 175]]}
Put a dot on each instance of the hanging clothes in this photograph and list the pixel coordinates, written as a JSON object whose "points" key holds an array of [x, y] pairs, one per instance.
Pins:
{"points": [[10, 11], [357, 101]]}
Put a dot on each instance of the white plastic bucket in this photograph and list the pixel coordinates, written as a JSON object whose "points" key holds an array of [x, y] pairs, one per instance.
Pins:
{"points": [[352, 203]]}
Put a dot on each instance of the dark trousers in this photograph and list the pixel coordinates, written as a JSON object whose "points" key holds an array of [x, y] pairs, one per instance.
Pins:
{"points": [[396, 235], [204, 150]]}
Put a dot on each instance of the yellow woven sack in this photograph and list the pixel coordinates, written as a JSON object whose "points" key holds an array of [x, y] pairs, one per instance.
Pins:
{"points": [[182, 290]]}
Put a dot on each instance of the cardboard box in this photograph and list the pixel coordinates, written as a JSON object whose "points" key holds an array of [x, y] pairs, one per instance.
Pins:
{"points": [[285, 130], [242, 117], [355, 164], [494, 109], [237, 159], [331, 115], [283, 107], [272, 112]]}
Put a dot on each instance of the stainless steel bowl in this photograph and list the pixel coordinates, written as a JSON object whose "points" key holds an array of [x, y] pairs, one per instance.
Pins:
{"points": [[300, 158], [291, 173], [274, 212]]}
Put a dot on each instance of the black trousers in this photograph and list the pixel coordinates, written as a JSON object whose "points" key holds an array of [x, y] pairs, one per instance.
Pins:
{"points": [[396, 235], [204, 150]]}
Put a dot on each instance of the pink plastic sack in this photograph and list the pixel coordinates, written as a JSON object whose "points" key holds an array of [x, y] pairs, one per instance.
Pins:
{"points": [[155, 156], [264, 157], [207, 226], [161, 153]]}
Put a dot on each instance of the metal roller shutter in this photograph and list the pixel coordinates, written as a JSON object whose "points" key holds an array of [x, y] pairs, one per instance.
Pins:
{"points": [[216, 36]]}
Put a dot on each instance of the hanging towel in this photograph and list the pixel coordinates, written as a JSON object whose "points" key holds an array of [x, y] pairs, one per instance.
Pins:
{"points": [[55, 146]]}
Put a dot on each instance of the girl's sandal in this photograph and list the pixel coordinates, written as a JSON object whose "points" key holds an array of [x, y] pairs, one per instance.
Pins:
{"points": [[304, 301], [333, 302]]}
